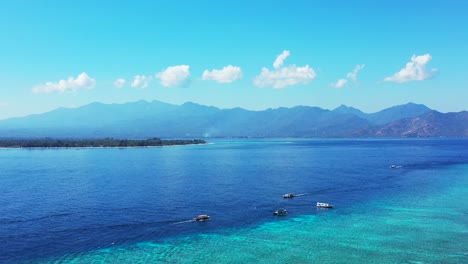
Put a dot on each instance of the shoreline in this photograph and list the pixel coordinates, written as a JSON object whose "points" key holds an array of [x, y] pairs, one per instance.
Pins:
{"points": [[49, 143], [174, 145]]}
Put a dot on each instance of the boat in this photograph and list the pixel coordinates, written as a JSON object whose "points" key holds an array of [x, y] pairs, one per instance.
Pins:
{"points": [[324, 205], [395, 167], [202, 218], [288, 195], [280, 212]]}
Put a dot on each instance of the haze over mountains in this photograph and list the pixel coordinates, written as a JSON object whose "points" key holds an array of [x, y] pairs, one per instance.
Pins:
{"points": [[144, 119]]}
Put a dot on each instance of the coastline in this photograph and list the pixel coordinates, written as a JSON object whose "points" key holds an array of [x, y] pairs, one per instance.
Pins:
{"points": [[127, 147], [50, 143]]}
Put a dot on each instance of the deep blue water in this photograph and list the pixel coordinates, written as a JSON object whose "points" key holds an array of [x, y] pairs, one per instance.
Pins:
{"points": [[69, 202]]}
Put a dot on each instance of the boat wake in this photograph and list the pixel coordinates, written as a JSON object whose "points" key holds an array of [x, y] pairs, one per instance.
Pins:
{"points": [[182, 222], [344, 190], [302, 194]]}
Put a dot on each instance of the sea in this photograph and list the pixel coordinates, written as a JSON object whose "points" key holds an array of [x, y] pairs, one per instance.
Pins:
{"points": [[137, 205]]}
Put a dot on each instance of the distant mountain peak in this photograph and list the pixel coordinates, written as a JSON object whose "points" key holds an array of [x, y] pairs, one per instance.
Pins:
{"points": [[189, 103], [412, 106], [398, 112], [411, 103], [344, 109], [195, 105], [342, 106]]}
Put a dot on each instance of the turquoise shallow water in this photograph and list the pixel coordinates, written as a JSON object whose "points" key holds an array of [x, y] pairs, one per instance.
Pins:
{"points": [[428, 227]]}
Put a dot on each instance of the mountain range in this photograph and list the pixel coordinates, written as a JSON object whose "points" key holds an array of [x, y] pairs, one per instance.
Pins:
{"points": [[144, 119]]}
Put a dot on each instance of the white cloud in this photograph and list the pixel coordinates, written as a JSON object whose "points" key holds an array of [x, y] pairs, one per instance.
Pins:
{"points": [[353, 75], [3, 104], [82, 81], [340, 83], [141, 81], [282, 76], [280, 59], [119, 83], [226, 75], [350, 76], [175, 76], [415, 70]]}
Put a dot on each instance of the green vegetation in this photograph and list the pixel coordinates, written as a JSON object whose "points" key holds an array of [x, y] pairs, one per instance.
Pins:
{"points": [[87, 143]]}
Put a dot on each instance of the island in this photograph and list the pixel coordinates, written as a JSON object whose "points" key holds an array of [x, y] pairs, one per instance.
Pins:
{"points": [[94, 143]]}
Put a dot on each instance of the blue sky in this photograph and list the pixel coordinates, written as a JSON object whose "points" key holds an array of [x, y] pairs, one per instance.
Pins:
{"points": [[267, 54]]}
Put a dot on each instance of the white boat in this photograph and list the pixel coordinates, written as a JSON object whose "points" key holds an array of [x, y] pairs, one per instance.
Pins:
{"points": [[202, 218], [324, 205]]}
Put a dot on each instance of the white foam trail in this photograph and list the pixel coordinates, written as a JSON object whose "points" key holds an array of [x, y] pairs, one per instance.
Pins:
{"points": [[186, 221]]}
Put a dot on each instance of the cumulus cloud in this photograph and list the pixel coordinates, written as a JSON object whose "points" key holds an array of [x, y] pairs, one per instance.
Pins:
{"points": [[280, 59], [350, 76], [415, 70], [283, 76], [175, 76], [226, 75], [353, 75], [141, 81], [340, 83], [82, 81], [119, 83]]}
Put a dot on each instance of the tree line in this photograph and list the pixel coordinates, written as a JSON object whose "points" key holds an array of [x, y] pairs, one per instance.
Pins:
{"points": [[85, 143]]}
